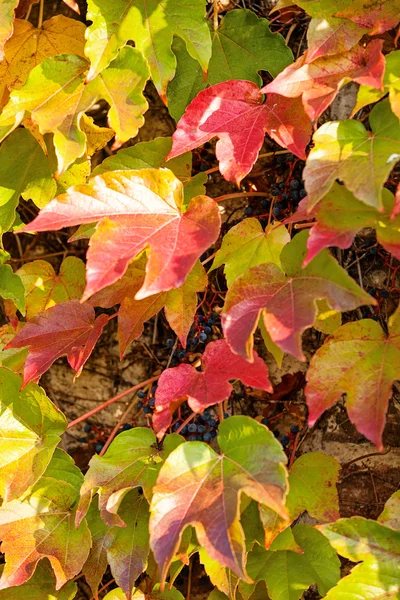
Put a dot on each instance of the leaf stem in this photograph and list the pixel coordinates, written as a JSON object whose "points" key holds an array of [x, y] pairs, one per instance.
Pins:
{"points": [[240, 195], [215, 15], [92, 412], [41, 11], [120, 422], [264, 155]]}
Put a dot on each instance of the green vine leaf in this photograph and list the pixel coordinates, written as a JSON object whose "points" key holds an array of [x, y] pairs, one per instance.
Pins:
{"points": [[42, 525], [242, 46], [11, 286], [55, 97], [44, 289], [362, 160], [151, 25], [247, 245], [390, 516], [30, 430], [41, 586], [206, 491]]}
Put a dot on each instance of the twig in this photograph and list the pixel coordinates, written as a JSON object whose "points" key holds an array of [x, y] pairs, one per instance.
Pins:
{"points": [[120, 422], [185, 422], [240, 195], [94, 411], [41, 10], [353, 460]]}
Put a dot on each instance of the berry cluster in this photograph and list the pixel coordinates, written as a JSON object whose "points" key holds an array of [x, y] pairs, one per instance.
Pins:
{"points": [[199, 334], [202, 429], [146, 401], [285, 439]]}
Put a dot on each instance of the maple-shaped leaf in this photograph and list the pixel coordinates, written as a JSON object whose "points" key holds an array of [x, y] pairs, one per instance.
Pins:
{"points": [[390, 516], [41, 524], [41, 586], [196, 486], [30, 430], [317, 83], [29, 46], [132, 460], [377, 548], [55, 97], [391, 84], [207, 387], [247, 245], [339, 216], [361, 361], [153, 154], [136, 209], [312, 488], [375, 15], [43, 288], [179, 304], [67, 329], [328, 34], [152, 26], [234, 112], [242, 45], [360, 158], [286, 301], [33, 182]]}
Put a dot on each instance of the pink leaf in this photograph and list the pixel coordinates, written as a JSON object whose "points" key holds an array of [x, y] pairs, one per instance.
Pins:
{"points": [[233, 111], [207, 387], [69, 328]]}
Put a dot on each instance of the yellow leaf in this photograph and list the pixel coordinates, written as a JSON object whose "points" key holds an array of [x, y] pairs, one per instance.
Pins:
{"points": [[96, 137]]}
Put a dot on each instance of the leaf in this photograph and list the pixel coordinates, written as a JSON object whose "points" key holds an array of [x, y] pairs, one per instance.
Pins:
{"points": [[96, 137], [55, 97], [327, 320], [44, 289], [376, 15], [317, 83], [391, 84], [312, 488], [289, 573], [241, 46], [346, 150], [7, 8], [128, 547], [198, 487], [151, 25], [233, 112], [132, 460], [340, 216], [12, 359], [42, 525], [359, 539], [29, 46], [287, 303], [96, 563], [179, 304], [390, 516], [207, 387], [32, 182], [11, 287], [136, 209], [328, 34], [358, 360], [223, 579], [41, 586], [247, 245], [30, 430], [67, 329], [153, 154]]}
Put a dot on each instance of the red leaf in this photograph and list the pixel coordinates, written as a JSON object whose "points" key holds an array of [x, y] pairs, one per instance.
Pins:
{"points": [[233, 112], [69, 328], [319, 82], [207, 387], [376, 15], [136, 209]]}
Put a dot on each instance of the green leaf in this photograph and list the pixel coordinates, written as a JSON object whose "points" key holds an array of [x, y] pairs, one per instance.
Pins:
{"points": [[11, 287], [312, 488], [43, 288], [132, 460], [41, 586], [96, 563], [224, 579], [14, 358], [24, 171], [328, 320], [247, 245], [42, 525], [368, 581], [30, 430], [346, 150], [390, 516], [196, 486], [151, 25], [55, 97], [242, 46]]}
